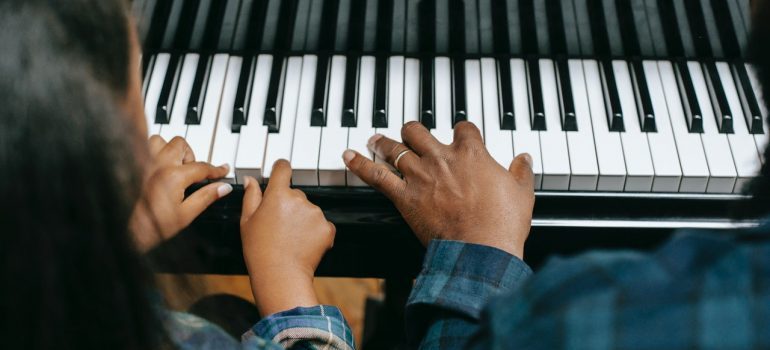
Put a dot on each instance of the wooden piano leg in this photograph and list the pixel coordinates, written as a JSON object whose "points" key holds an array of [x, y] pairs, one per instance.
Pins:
{"points": [[384, 320]]}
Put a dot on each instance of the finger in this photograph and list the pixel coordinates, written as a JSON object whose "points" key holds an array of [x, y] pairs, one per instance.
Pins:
{"points": [[188, 155], [419, 139], [201, 199], [281, 176], [390, 150], [333, 232], [252, 198], [376, 175], [174, 152], [156, 144], [521, 168], [466, 131], [198, 171]]}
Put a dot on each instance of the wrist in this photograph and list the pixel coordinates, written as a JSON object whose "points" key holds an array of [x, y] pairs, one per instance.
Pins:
{"points": [[281, 287]]}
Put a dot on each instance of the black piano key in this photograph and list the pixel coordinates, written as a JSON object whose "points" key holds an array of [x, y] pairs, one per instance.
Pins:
{"points": [[698, 28], [611, 97], [689, 99], [507, 120], [427, 25], [751, 109], [270, 118], [198, 93], [598, 28], [198, 30], [427, 116], [157, 25], [628, 30], [380, 116], [318, 114], [644, 102], [724, 24], [229, 23], [328, 25], [457, 23], [280, 37], [536, 95], [500, 35], [384, 25], [172, 24], [673, 38], [568, 118], [349, 100], [168, 92], [243, 94], [718, 98], [527, 15], [458, 91], [556, 33]]}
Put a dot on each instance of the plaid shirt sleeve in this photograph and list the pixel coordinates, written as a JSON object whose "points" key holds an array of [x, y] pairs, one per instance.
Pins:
{"points": [[318, 327], [456, 281]]}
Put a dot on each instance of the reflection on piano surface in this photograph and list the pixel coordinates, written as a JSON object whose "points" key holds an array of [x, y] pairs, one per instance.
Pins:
{"points": [[639, 114]]}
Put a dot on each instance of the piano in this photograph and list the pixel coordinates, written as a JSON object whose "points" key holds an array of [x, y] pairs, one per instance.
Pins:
{"points": [[642, 116]]}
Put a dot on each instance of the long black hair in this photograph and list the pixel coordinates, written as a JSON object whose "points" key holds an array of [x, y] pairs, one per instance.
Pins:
{"points": [[69, 179]]}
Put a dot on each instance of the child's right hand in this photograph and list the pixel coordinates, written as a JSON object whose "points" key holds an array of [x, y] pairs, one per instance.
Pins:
{"points": [[284, 238]]}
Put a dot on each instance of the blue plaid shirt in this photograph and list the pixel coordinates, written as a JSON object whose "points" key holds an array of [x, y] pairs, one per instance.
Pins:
{"points": [[699, 290]]}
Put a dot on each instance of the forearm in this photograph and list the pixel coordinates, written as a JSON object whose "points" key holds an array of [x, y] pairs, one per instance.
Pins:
{"points": [[457, 280]]}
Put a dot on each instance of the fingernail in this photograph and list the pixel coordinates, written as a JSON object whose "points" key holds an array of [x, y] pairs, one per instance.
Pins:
{"points": [[348, 155], [225, 166], [224, 190], [527, 158], [246, 182], [373, 139]]}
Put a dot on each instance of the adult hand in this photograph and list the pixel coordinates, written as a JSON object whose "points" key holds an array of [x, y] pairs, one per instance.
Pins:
{"points": [[284, 238], [162, 210], [455, 192]]}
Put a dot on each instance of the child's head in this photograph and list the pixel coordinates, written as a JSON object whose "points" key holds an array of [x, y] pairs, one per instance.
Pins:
{"points": [[69, 179]]}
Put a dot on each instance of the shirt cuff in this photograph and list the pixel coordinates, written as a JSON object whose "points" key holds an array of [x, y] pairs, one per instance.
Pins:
{"points": [[461, 277], [314, 327]]}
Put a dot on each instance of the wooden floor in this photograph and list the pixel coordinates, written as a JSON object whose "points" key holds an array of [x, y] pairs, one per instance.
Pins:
{"points": [[349, 294]]}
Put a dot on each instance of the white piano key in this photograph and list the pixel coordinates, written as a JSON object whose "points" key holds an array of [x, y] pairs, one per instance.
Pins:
{"points": [[525, 140], [395, 106], [742, 143], [359, 136], [473, 94], [225, 140], [584, 167], [692, 157], [760, 139], [411, 90], [636, 149], [334, 137], [153, 92], [609, 149], [715, 144], [249, 160], [201, 136], [279, 144], [668, 173], [307, 138], [499, 142], [442, 106], [395, 99], [177, 126], [553, 141]]}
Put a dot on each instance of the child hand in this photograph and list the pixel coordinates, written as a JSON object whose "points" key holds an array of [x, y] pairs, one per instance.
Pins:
{"points": [[284, 238]]}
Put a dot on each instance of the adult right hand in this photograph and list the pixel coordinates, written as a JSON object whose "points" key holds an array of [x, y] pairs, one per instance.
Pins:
{"points": [[453, 192]]}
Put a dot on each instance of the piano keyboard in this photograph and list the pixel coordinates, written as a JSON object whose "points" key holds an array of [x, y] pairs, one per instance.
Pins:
{"points": [[609, 96]]}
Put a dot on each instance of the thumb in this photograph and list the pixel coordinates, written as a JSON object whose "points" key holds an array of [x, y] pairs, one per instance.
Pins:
{"points": [[521, 169], [251, 199]]}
